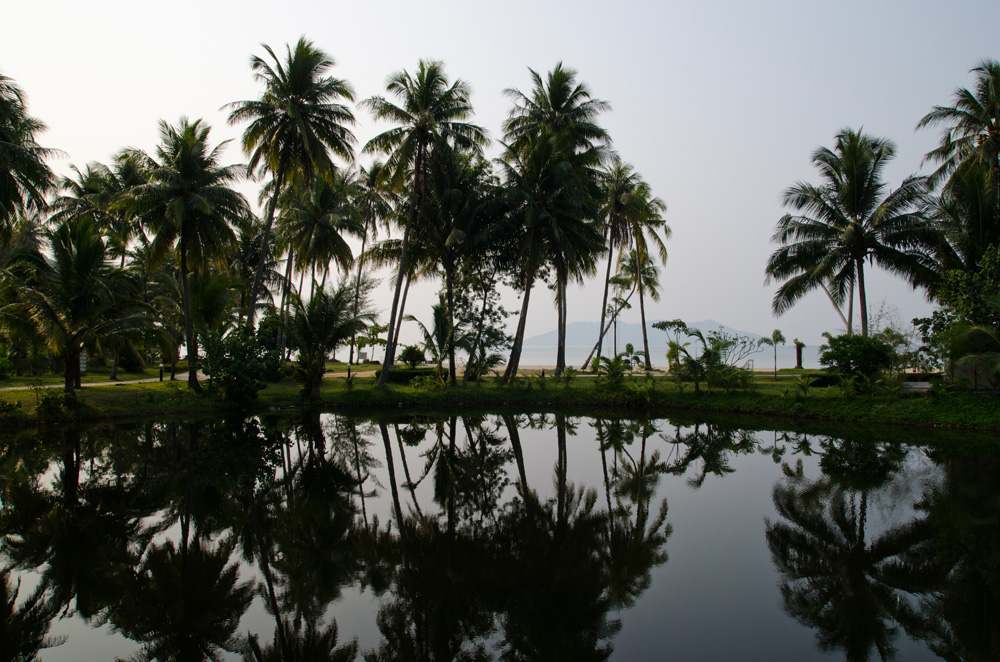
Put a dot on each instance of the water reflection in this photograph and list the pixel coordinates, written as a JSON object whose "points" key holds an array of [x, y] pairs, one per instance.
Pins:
{"points": [[248, 538]]}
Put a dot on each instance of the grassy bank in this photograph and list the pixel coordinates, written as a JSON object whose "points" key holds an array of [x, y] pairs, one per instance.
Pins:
{"points": [[783, 398]]}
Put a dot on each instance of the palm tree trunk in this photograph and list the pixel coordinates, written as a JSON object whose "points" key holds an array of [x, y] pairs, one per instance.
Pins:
{"points": [[642, 319], [357, 295], [258, 278], [561, 317], [515, 351], [604, 309], [449, 278], [862, 300], [69, 375], [189, 322], [402, 306], [393, 335], [850, 313], [285, 287], [390, 341]]}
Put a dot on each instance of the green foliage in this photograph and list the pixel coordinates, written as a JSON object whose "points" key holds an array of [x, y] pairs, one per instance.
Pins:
{"points": [[856, 356], [236, 365], [411, 355]]}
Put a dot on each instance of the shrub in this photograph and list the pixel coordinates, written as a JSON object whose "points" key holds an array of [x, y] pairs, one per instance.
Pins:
{"points": [[411, 355], [236, 366], [405, 375], [856, 356]]}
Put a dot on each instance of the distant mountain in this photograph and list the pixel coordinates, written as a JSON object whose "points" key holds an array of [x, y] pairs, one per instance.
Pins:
{"points": [[579, 334]]}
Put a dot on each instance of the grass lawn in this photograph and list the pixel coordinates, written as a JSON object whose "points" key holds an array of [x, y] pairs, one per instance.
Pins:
{"points": [[785, 398]]}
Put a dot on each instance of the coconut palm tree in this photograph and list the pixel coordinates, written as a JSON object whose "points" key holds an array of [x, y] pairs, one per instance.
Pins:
{"points": [[971, 126], [628, 215], [430, 114], [847, 221], [317, 328], [294, 126], [562, 111], [191, 208], [967, 217], [549, 208], [72, 296], [376, 201], [24, 176], [314, 221]]}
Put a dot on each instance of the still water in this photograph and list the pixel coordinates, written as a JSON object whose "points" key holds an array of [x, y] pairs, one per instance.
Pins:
{"points": [[496, 537]]}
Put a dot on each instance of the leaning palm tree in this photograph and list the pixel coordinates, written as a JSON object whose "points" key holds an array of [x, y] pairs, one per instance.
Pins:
{"points": [[430, 113], [628, 215], [849, 220], [25, 178], [191, 206], [294, 126], [376, 201]]}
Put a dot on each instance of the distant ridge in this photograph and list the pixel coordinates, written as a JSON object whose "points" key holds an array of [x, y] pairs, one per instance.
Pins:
{"points": [[580, 334]]}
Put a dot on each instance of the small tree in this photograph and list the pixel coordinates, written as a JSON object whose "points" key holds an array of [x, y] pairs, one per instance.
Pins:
{"points": [[317, 328], [777, 338], [855, 356], [411, 355]]}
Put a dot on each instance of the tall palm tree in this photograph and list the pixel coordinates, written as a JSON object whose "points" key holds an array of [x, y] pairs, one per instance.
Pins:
{"points": [[376, 202], [429, 114], [548, 207], [849, 220], [562, 111], [24, 176], [972, 124], [629, 214], [192, 208], [294, 126]]}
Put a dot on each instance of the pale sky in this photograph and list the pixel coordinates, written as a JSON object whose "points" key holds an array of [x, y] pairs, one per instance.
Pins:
{"points": [[717, 104]]}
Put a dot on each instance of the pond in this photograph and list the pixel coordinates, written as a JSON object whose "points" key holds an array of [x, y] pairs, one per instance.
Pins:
{"points": [[496, 537]]}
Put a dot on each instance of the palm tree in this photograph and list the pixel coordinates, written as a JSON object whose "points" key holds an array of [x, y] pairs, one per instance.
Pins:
{"points": [[314, 220], [562, 112], [628, 214], [431, 114], [548, 207], [972, 125], [190, 205], [74, 298], [849, 220], [317, 328], [777, 338], [967, 216], [376, 202], [294, 126], [24, 176]]}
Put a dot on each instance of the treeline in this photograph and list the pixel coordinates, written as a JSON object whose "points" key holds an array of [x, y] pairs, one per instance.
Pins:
{"points": [[136, 258]]}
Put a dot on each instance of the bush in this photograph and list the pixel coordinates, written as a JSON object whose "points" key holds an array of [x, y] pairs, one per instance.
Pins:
{"points": [[856, 356], [411, 355], [236, 366], [406, 375]]}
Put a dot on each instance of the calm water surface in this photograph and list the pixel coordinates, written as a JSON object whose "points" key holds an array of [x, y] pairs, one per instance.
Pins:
{"points": [[539, 537]]}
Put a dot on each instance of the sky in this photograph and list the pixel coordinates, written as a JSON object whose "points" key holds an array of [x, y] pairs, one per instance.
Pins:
{"points": [[718, 104]]}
